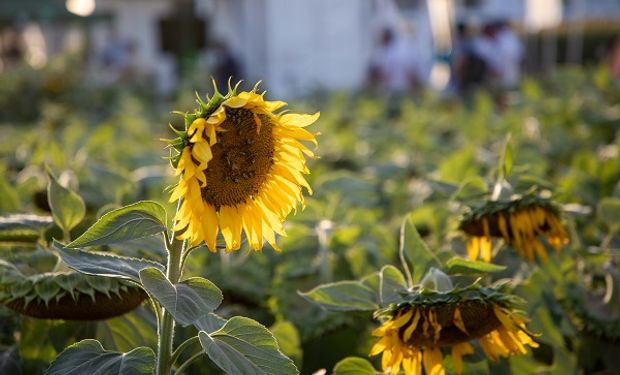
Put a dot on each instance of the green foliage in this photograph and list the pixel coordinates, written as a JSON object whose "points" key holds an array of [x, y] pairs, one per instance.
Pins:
{"points": [[376, 167], [344, 296], [609, 210], [88, 356], [23, 228], [243, 346], [188, 300], [288, 340], [105, 264], [354, 366], [131, 222], [458, 265], [416, 251], [67, 207]]}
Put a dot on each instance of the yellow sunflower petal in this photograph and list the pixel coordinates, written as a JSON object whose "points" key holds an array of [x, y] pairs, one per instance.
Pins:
{"points": [[230, 224], [432, 359]]}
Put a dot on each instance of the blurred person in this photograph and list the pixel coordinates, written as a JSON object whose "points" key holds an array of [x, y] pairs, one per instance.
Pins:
{"points": [[393, 66], [486, 46], [469, 69], [511, 52], [12, 48], [225, 65]]}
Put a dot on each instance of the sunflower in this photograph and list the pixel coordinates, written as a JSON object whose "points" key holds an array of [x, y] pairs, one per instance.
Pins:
{"points": [[419, 329], [242, 167], [520, 222]]}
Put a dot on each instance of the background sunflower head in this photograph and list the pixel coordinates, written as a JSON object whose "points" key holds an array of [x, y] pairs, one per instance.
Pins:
{"points": [[416, 331], [241, 163], [520, 222]]}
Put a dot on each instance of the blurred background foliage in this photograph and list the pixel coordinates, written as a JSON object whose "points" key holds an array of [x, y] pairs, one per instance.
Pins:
{"points": [[381, 160]]}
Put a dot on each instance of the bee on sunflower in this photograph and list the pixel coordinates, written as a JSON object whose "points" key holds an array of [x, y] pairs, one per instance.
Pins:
{"points": [[416, 331], [242, 165], [520, 221]]}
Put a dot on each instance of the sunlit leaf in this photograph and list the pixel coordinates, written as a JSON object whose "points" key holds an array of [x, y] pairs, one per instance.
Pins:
{"points": [[354, 366], [105, 264], [23, 227], [458, 265], [288, 339], [187, 300], [609, 209], [67, 207], [127, 223], [343, 296], [417, 252], [245, 347], [89, 357]]}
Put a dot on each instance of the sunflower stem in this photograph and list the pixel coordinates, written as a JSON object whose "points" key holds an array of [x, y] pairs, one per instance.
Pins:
{"points": [[166, 333], [66, 236]]}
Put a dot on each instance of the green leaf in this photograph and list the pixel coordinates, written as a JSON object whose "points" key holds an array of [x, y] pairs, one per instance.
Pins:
{"points": [[288, 339], [125, 332], [471, 267], [210, 322], [388, 283], [391, 284], [609, 211], [354, 366], [472, 188], [10, 199], [416, 251], [343, 296], [89, 357], [23, 228], [188, 300], [507, 158], [137, 220], [105, 264], [245, 347], [67, 207]]}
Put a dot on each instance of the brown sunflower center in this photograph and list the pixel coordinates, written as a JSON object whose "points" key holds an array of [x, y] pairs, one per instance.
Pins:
{"points": [[242, 158], [478, 318]]}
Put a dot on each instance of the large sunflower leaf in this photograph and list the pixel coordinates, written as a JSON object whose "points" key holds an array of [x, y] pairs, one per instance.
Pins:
{"points": [[188, 300], [137, 220], [354, 366], [210, 322], [89, 357], [343, 296], [245, 347], [67, 207], [105, 264], [23, 227]]}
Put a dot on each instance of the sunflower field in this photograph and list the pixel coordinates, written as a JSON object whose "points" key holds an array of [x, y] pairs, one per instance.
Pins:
{"points": [[228, 232]]}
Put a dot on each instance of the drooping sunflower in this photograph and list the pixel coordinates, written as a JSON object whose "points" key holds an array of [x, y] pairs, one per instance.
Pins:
{"points": [[416, 332], [242, 167], [520, 222]]}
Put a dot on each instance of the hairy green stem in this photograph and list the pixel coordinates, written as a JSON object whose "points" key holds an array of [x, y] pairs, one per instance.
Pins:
{"points": [[166, 332]]}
